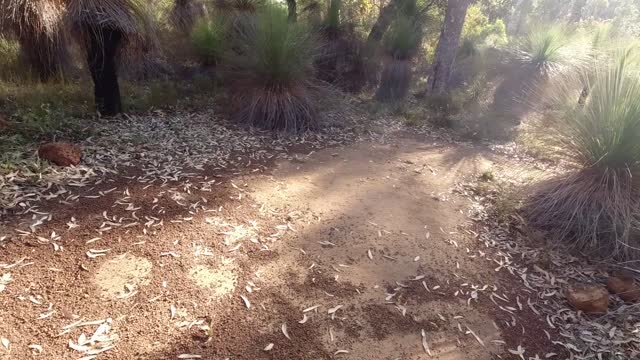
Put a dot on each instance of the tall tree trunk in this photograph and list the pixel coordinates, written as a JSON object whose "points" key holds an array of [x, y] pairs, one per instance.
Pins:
{"points": [[514, 18], [102, 48], [293, 14], [385, 18], [576, 10], [447, 47]]}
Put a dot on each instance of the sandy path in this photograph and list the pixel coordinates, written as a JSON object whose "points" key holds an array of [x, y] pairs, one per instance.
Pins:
{"points": [[370, 236], [390, 212]]}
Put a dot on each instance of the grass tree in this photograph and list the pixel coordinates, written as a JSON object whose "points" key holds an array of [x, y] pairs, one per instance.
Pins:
{"points": [[340, 61], [209, 38], [185, 14], [551, 49], [270, 66], [401, 42], [293, 12], [39, 28], [105, 28], [596, 206]]}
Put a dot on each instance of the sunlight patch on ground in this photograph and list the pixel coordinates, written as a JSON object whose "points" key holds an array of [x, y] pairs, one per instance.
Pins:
{"points": [[119, 277], [238, 233], [221, 280]]}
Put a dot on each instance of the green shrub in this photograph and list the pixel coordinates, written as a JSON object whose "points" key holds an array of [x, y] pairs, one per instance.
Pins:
{"points": [[271, 67], [39, 112], [209, 39], [552, 49], [403, 38], [9, 59], [596, 207], [479, 30], [163, 94]]}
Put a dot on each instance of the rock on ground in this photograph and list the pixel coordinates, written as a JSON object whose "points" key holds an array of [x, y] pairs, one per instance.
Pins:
{"points": [[590, 298], [61, 153], [624, 285], [4, 123]]}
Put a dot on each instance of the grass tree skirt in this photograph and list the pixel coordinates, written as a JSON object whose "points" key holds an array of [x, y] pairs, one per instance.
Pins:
{"points": [[102, 48], [290, 109], [45, 55]]}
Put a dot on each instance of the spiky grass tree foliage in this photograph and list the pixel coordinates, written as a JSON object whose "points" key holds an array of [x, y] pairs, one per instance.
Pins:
{"points": [[209, 38], [105, 28], [596, 207], [401, 43], [185, 14], [39, 28], [551, 50], [271, 69]]}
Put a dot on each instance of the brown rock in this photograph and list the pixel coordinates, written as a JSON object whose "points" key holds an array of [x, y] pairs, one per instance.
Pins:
{"points": [[4, 123], [61, 153], [624, 285], [590, 298]]}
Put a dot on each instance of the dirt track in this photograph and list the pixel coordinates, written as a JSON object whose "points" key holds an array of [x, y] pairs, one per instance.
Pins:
{"points": [[371, 237]]}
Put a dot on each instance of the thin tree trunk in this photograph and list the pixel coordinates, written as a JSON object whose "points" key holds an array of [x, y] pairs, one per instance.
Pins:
{"points": [[101, 58], [293, 14], [576, 10], [514, 18], [447, 48], [385, 18]]}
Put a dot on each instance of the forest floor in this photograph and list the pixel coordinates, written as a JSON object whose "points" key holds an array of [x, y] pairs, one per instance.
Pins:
{"points": [[182, 238]]}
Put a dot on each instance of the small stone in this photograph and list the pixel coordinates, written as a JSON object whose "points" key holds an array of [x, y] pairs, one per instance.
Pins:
{"points": [[589, 298], [625, 286], [4, 123], [61, 153]]}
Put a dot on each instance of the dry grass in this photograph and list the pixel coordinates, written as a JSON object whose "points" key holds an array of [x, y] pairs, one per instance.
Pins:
{"points": [[271, 70], [594, 211], [595, 207]]}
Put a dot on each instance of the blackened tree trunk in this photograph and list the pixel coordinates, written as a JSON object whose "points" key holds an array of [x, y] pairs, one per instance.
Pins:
{"points": [[448, 44], [293, 13], [102, 48], [385, 18]]}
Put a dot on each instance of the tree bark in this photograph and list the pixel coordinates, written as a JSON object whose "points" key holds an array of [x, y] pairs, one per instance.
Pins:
{"points": [[514, 18], [102, 48], [293, 14], [576, 10], [385, 18], [448, 44]]}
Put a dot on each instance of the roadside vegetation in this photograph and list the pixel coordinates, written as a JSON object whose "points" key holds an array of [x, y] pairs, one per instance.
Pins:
{"points": [[562, 81]]}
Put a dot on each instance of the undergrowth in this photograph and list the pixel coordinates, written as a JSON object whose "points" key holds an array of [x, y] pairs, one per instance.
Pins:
{"points": [[595, 207]]}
